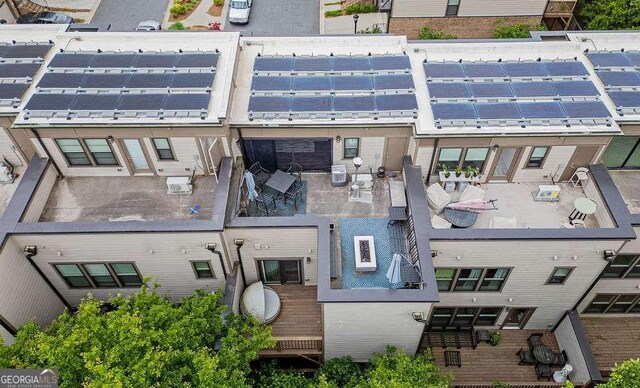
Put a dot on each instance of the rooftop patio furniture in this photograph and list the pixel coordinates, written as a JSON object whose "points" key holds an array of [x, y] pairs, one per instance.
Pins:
{"points": [[438, 198], [503, 223], [397, 196], [280, 181], [582, 207], [471, 193], [452, 358], [580, 177], [574, 224], [543, 354], [261, 302], [526, 357], [264, 201], [559, 359], [440, 223], [543, 371], [296, 170], [460, 218], [483, 336], [294, 193], [397, 214], [365, 253], [534, 340], [260, 174]]}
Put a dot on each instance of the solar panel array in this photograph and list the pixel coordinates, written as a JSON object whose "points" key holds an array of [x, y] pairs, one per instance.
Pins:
{"points": [[522, 93], [619, 71], [19, 62], [332, 87], [125, 85]]}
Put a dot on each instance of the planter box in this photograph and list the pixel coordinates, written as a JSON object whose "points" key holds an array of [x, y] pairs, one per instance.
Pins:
{"points": [[365, 253]]}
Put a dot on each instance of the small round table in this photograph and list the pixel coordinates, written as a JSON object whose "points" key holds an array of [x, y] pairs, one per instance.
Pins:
{"points": [[543, 354], [460, 218], [582, 207]]}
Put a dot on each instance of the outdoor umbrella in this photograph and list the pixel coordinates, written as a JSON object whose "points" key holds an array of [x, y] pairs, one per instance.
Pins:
{"points": [[251, 186], [393, 274]]}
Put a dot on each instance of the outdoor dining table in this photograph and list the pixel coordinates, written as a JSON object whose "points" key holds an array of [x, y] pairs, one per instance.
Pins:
{"points": [[460, 218], [280, 181], [582, 208], [543, 354]]}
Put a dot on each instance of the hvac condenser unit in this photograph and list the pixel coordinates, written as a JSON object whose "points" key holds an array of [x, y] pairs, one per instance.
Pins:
{"points": [[179, 185], [547, 193], [338, 175]]}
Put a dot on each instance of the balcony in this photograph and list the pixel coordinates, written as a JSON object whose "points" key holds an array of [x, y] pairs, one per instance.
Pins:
{"points": [[560, 8], [613, 340]]}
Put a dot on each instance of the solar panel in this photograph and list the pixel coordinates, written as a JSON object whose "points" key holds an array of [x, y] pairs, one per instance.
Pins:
{"points": [[609, 59], [443, 70], [273, 64], [141, 102], [72, 60], [449, 90], [484, 70], [454, 111], [95, 102], [192, 80], [271, 83], [353, 83], [114, 61], [619, 78], [525, 69], [311, 104], [396, 102], [498, 111], [311, 83], [205, 59], [149, 81], [190, 101], [351, 63], [105, 81], [533, 89], [393, 82], [589, 109], [396, 62], [27, 51], [18, 70], [575, 88], [61, 80], [312, 64], [155, 60], [354, 103], [626, 99], [269, 104], [11, 91], [634, 58], [490, 89], [541, 110], [566, 69], [47, 101]]}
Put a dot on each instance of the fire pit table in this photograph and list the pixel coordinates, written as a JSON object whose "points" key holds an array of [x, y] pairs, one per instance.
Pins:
{"points": [[365, 253]]}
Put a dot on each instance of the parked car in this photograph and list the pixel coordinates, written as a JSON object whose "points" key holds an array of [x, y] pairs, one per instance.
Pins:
{"points": [[149, 25], [239, 11], [44, 18]]}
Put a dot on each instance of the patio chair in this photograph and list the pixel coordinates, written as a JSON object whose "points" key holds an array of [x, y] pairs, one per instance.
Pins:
{"points": [[296, 170], [559, 359], [295, 193], [263, 201], [534, 340], [440, 223], [452, 358], [260, 175], [438, 198], [471, 193], [543, 370], [526, 357]]}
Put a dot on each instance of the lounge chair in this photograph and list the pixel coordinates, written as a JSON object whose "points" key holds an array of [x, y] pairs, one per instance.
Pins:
{"points": [[438, 222], [438, 198], [472, 193]]}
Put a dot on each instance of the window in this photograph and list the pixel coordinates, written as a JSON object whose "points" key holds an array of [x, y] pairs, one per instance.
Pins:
{"points": [[101, 152], [351, 147], [127, 274], [441, 316], [163, 149], [464, 316], [471, 279], [468, 279], [73, 152], [635, 271], [444, 278], [449, 157], [452, 7], [559, 275], [494, 279], [621, 304], [622, 266], [475, 157], [100, 275], [203, 269], [72, 275], [622, 152], [488, 316], [536, 160], [614, 304]]}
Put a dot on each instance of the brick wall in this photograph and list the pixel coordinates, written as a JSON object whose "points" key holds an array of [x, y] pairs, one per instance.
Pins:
{"points": [[462, 27]]}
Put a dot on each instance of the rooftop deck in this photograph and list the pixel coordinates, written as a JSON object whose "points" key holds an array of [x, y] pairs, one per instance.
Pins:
{"points": [[627, 183], [139, 198], [7, 190], [612, 339]]}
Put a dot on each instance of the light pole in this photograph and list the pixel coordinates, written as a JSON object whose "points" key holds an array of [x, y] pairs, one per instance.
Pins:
{"points": [[355, 23], [355, 188]]}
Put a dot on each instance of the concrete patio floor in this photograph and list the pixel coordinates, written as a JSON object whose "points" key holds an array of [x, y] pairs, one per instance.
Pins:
{"points": [[627, 183]]}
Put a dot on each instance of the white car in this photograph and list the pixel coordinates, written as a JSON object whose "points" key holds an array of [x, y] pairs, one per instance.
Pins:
{"points": [[149, 25], [239, 11]]}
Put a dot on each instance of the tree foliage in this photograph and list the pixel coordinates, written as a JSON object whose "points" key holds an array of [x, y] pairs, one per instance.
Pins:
{"points": [[515, 31], [144, 340], [609, 14], [428, 34], [625, 375]]}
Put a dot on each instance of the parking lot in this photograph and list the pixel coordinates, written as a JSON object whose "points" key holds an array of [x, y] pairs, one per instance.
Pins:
{"points": [[124, 15], [281, 18]]}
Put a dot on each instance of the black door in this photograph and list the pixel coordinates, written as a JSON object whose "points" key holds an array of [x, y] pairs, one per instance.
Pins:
{"points": [[273, 154]]}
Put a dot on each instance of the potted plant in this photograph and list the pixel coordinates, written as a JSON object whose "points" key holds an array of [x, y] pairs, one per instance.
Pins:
{"points": [[458, 171], [445, 170], [495, 338], [468, 172]]}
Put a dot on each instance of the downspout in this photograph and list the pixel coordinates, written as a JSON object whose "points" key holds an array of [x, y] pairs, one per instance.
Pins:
{"points": [[433, 158], [239, 243], [30, 251], [211, 247], [46, 151]]}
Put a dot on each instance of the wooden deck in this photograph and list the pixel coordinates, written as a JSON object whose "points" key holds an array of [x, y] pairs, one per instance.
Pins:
{"points": [[486, 363], [613, 340]]}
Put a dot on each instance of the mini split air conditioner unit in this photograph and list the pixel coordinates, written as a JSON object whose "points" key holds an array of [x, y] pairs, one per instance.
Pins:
{"points": [[179, 185], [547, 193]]}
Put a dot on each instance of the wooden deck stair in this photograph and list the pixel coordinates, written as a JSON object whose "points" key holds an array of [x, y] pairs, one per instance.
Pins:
{"points": [[449, 338]]}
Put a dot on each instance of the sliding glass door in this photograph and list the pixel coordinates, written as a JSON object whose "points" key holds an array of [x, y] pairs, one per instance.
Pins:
{"points": [[280, 271], [622, 152]]}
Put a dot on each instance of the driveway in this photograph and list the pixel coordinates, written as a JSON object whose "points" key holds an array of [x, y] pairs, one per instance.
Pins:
{"points": [[281, 18], [124, 15]]}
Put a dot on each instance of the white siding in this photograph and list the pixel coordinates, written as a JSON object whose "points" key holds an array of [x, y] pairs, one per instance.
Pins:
{"points": [[24, 294], [184, 150], [423, 159], [5, 336], [6, 145], [369, 148], [611, 286], [163, 256], [554, 165], [81, 171], [418, 8], [275, 243], [501, 7], [633, 246], [362, 329], [567, 341], [532, 262], [41, 196]]}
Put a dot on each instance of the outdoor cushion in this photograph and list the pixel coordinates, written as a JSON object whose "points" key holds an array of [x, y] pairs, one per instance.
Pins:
{"points": [[503, 223], [438, 198], [440, 223], [471, 193]]}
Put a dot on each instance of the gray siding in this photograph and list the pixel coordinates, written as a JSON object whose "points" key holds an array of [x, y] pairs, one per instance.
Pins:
{"points": [[5, 336], [362, 329], [437, 8], [567, 341], [185, 149], [39, 200]]}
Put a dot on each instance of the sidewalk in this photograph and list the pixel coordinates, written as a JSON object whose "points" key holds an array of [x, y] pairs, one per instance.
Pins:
{"points": [[343, 25], [200, 16], [82, 10]]}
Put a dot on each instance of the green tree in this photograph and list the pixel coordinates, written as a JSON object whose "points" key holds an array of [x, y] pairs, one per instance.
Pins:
{"points": [[428, 34], [515, 31], [143, 340], [609, 14], [625, 375], [341, 371]]}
